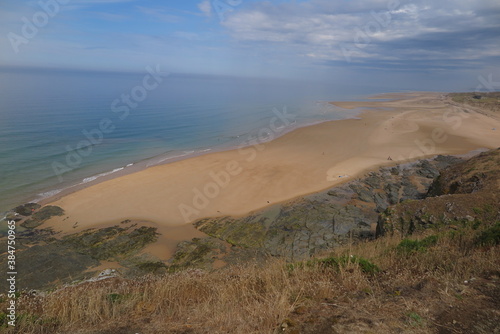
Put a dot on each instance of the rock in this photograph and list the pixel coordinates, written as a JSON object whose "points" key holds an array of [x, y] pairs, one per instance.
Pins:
{"points": [[112, 242], [197, 253], [316, 223], [42, 265], [395, 171], [469, 176], [39, 217], [427, 170], [373, 181], [363, 193], [392, 191], [381, 202], [26, 209]]}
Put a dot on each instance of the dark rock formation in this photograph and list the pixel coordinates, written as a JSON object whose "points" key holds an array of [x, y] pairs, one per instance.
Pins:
{"points": [[304, 227], [44, 259], [40, 216], [465, 193]]}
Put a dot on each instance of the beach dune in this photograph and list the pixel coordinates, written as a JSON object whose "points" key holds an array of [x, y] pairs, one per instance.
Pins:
{"points": [[306, 160]]}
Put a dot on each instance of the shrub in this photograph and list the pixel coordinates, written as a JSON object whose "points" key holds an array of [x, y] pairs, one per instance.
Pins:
{"points": [[490, 236], [408, 246], [336, 263]]}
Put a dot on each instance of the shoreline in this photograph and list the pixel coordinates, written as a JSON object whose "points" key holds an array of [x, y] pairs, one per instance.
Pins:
{"points": [[144, 164], [301, 162]]}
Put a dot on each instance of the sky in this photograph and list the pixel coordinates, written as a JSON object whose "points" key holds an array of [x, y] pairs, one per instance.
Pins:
{"points": [[414, 44]]}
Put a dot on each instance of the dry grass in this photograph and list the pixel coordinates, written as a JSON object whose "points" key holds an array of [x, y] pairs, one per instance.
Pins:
{"points": [[406, 296]]}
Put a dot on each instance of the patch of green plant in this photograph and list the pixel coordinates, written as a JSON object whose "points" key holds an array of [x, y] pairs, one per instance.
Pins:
{"points": [[489, 208], [115, 297], [151, 267], [490, 236], [336, 263], [27, 318], [476, 223], [407, 246], [415, 319], [3, 320], [111, 242], [366, 266]]}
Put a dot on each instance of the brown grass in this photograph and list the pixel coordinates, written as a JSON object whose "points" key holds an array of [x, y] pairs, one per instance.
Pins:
{"points": [[408, 295]]}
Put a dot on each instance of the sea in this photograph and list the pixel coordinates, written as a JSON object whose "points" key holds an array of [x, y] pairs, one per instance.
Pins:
{"points": [[60, 129]]}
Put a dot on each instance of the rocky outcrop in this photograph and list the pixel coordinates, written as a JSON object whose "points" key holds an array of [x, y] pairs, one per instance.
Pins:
{"points": [[40, 216], [467, 193], [44, 258], [302, 228]]}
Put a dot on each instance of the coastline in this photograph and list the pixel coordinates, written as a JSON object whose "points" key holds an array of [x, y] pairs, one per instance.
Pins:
{"points": [[54, 193], [164, 159], [301, 162]]}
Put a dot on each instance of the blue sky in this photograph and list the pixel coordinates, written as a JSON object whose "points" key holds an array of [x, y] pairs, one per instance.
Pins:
{"points": [[417, 44]]}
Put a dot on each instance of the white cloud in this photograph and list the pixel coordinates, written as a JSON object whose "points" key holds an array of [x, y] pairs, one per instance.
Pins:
{"points": [[206, 7], [374, 29], [159, 14]]}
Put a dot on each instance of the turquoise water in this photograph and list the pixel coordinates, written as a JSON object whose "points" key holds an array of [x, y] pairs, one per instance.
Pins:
{"points": [[44, 116]]}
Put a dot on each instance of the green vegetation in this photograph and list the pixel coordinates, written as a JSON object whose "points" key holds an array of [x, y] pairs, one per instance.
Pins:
{"points": [[152, 267], [340, 292], [490, 236], [337, 263], [115, 297], [408, 246], [112, 242], [489, 101], [415, 319]]}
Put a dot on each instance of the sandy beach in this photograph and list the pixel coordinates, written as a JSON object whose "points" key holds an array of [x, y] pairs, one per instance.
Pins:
{"points": [[306, 160]]}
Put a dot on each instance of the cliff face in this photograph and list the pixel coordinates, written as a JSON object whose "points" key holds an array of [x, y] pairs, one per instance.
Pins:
{"points": [[466, 193], [311, 225], [442, 192]]}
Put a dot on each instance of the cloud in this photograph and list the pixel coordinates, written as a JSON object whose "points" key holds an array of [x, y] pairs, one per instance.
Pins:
{"points": [[373, 32], [160, 14], [206, 7]]}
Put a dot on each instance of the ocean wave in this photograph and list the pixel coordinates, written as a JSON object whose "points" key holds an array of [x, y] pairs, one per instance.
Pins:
{"points": [[46, 194], [156, 162], [95, 177]]}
